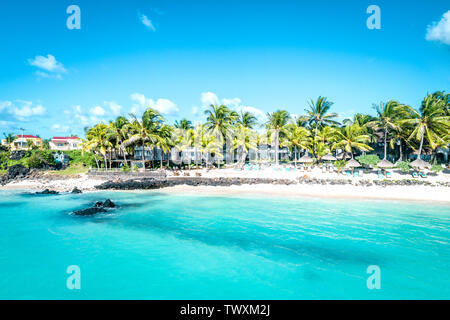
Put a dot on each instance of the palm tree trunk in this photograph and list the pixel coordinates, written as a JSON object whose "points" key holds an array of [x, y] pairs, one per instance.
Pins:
{"points": [[295, 157], [143, 155], [276, 146], [401, 150], [385, 145], [420, 147]]}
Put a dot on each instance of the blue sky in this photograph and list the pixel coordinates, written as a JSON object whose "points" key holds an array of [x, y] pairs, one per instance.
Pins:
{"points": [[178, 56]]}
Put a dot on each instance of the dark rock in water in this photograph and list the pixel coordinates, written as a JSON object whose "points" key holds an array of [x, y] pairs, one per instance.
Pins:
{"points": [[47, 191], [99, 207], [76, 190], [106, 204], [89, 211], [17, 171]]}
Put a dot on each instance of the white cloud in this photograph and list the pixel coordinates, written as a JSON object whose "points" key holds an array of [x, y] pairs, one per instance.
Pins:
{"points": [[147, 22], [48, 63], [97, 111], [59, 128], [164, 106], [5, 105], [209, 98], [440, 31], [115, 108], [24, 111]]}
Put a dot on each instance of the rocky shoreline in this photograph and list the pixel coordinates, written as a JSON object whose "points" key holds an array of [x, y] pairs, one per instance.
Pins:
{"points": [[152, 183]]}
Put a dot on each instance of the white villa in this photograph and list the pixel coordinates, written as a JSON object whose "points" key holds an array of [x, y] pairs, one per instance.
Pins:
{"points": [[65, 143]]}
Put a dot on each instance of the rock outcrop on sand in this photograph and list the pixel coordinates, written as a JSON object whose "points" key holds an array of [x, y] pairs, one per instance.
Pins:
{"points": [[15, 172], [99, 207], [150, 183]]}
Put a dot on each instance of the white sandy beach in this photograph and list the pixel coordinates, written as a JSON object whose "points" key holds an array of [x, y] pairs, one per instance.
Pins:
{"points": [[409, 193]]}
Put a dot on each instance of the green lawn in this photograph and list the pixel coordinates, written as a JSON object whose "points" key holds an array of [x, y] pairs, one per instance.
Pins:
{"points": [[71, 170]]}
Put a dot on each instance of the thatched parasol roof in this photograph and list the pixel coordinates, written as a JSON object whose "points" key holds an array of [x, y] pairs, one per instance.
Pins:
{"points": [[343, 155], [353, 164], [305, 159], [419, 163], [385, 164], [329, 157]]}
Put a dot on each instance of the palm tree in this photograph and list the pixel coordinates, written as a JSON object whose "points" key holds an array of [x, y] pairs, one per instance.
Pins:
{"points": [[244, 140], [318, 116], [387, 120], [350, 137], [247, 120], [431, 122], [184, 124], [145, 131], [165, 142], [297, 138], [219, 120], [97, 141], [277, 121]]}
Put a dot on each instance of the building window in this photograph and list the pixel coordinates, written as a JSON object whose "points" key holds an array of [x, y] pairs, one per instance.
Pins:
{"points": [[60, 145]]}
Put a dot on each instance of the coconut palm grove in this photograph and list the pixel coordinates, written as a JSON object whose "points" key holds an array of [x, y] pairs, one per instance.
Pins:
{"points": [[394, 132]]}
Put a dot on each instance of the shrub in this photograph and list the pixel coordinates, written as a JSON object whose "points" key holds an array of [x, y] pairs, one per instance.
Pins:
{"points": [[34, 162], [368, 160], [126, 168], [78, 157], [403, 166], [436, 168]]}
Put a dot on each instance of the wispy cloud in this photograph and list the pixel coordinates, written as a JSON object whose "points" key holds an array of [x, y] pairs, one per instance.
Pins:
{"points": [[21, 110], [440, 31], [147, 22], [49, 66], [161, 105]]}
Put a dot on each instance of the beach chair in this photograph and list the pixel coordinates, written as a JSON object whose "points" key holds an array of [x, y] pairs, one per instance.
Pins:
{"points": [[388, 174], [356, 174], [414, 174], [422, 174], [348, 173], [380, 175]]}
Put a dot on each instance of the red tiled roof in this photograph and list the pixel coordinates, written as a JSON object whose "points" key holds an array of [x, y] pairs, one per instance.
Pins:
{"points": [[65, 138], [27, 136]]}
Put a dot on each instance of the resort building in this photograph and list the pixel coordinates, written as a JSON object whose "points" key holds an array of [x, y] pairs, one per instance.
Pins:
{"points": [[65, 143], [22, 142]]}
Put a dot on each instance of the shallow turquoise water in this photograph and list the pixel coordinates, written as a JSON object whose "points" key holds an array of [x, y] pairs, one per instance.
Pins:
{"points": [[160, 246]]}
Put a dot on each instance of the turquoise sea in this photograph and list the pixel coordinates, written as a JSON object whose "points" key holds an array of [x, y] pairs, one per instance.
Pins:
{"points": [[165, 246]]}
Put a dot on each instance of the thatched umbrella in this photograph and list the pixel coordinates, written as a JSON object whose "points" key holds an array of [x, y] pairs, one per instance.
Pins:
{"points": [[352, 164], [306, 159], [329, 157], [419, 163], [343, 156], [384, 164]]}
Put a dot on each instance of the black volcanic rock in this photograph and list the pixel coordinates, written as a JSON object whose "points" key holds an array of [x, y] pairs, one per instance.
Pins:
{"points": [[17, 171], [89, 211], [47, 191], [99, 207], [76, 190]]}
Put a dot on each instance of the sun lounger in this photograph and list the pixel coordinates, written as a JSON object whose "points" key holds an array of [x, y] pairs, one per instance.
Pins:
{"points": [[348, 173], [415, 175], [388, 174], [380, 175], [423, 174], [356, 174]]}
